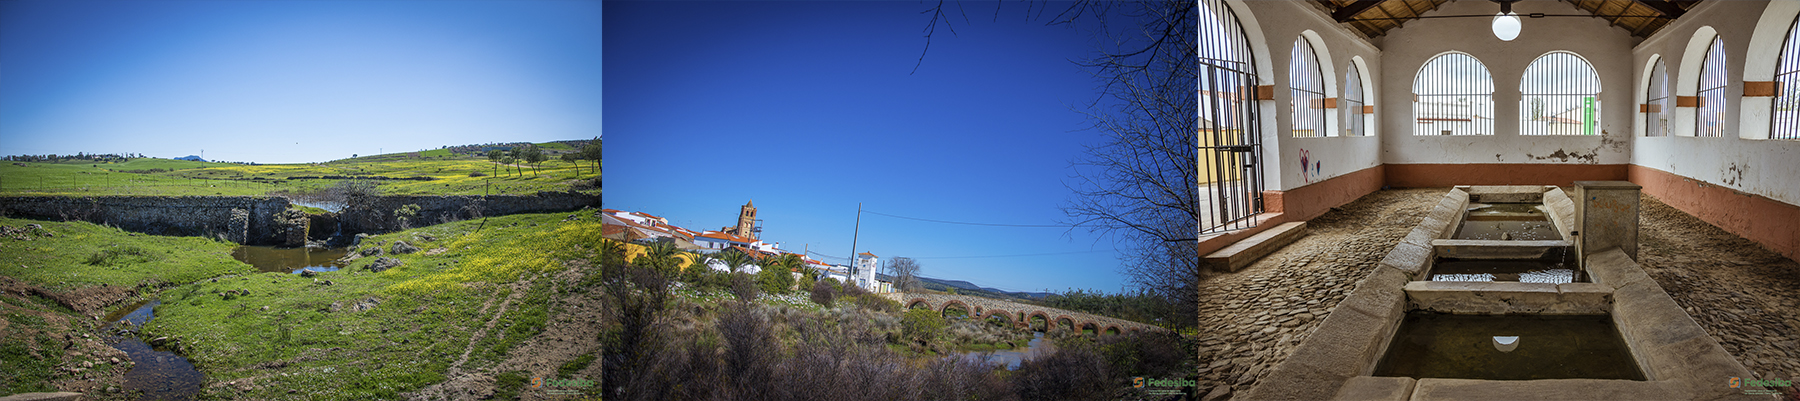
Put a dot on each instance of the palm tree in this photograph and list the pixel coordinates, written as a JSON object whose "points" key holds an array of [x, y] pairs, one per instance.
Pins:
{"points": [[661, 255], [734, 259]]}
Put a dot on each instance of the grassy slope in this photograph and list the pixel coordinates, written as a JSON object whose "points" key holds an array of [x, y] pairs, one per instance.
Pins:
{"points": [[37, 330], [429, 310], [198, 178], [83, 254]]}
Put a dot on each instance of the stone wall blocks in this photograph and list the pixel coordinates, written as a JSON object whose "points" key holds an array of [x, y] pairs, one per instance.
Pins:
{"points": [[1436, 224], [1701, 365], [1408, 258], [1554, 389], [1371, 388], [1421, 237], [1613, 268]]}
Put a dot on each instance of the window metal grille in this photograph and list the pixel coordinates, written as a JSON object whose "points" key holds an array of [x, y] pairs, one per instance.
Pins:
{"points": [[1230, 137], [1709, 119], [1308, 83], [1784, 121], [1657, 111], [1453, 95], [1560, 96], [1352, 103]]}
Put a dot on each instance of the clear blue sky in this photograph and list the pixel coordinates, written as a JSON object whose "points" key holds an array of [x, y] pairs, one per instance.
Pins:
{"points": [[808, 108], [294, 81]]}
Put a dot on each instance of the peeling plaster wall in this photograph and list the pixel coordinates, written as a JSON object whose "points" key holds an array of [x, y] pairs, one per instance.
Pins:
{"points": [[1407, 48], [1770, 168], [1338, 47]]}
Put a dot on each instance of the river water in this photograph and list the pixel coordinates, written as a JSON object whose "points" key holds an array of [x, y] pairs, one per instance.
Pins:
{"points": [[1012, 357], [160, 374], [289, 260]]}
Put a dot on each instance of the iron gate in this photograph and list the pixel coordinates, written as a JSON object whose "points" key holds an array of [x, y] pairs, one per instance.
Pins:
{"points": [[1230, 138]]}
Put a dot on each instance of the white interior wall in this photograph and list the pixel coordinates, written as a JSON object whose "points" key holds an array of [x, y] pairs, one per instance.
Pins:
{"points": [[1408, 47], [1336, 45], [1759, 166]]}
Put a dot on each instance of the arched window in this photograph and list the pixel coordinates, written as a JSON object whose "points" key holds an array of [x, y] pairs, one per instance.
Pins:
{"points": [[1353, 102], [1709, 119], [1230, 175], [1784, 122], [1308, 83], [1453, 95], [1656, 108], [1560, 96]]}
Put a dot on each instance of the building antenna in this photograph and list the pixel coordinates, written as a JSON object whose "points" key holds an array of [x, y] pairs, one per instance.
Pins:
{"points": [[853, 238]]}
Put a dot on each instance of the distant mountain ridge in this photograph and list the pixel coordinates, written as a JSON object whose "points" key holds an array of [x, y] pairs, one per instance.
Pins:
{"points": [[964, 287], [191, 158]]}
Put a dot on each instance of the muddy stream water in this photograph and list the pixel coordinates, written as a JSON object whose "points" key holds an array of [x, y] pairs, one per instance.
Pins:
{"points": [[156, 371]]}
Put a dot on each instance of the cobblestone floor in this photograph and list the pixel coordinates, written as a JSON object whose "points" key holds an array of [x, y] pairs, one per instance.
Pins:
{"points": [[1744, 295]]}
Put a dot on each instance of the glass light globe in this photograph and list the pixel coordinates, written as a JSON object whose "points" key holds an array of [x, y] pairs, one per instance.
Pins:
{"points": [[1507, 26]]}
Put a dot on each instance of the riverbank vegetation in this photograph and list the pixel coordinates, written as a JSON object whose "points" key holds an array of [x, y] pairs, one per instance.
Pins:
{"points": [[675, 333]]}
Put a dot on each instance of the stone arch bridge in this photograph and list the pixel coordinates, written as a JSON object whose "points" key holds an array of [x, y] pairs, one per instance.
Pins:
{"points": [[1020, 315]]}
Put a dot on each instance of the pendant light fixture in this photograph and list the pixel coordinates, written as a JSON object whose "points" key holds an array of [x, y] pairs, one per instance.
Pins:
{"points": [[1506, 24]]}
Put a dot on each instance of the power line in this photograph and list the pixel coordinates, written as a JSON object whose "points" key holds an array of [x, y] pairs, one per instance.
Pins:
{"points": [[968, 223]]}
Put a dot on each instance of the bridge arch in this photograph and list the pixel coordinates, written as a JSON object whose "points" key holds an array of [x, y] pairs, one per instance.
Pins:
{"points": [[1064, 322], [1111, 330], [918, 302], [1085, 326], [1005, 317], [945, 308], [1038, 314]]}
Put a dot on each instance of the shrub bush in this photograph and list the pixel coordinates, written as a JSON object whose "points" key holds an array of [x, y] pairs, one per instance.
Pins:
{"points": [[775, 280], [921, 324], [823, 292], [744, 287]]}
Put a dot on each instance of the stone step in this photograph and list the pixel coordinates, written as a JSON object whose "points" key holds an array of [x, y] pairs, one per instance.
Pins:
{"points": [[1241, 254]]}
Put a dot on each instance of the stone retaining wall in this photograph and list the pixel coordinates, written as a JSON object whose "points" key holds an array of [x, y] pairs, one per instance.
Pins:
{"points": [[376, 214], [245, 220]]}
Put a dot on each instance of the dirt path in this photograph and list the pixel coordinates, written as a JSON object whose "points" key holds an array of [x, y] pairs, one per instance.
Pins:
{"points": [[1253, 319], [568, 334]]}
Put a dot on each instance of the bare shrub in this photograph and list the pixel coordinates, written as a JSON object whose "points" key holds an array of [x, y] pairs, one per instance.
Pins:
{"points": [[1071, 373], [823, 292], [750, 351], [745, 287]]}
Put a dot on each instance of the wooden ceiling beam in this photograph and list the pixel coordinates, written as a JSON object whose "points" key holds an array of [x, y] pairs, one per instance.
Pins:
{"points": [[1667, 8], [1345, 13]]}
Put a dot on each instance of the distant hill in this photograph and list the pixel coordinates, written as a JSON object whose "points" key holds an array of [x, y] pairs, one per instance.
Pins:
{"points": [[968, 288], [191, 158]]}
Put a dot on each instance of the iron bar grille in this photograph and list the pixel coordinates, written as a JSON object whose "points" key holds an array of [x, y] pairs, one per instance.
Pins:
{"points": [[1352, 104], [1657, 113], [1454, 95], [1230, 137], [1308, 83], [1784, 121], [1560, 96], [1709, 119]]}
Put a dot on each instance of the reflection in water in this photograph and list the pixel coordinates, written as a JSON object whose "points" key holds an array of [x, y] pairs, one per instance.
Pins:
{"points": [[158, 373], [290, 260], [1012, 357], [1526, 347], [333, 207]]}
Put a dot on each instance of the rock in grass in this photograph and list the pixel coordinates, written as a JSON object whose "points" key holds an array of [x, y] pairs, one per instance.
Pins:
{"points": [[384, 264], [371, 251], [308, 273], [402, 248]]}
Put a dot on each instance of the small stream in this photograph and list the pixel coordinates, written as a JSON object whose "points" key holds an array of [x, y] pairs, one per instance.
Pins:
{"points": [[157, 372], [1012, 357], [289, 260]]}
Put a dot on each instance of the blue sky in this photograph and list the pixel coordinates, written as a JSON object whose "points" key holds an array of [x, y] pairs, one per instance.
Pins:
{"points": [[295, 81], [808, 108]]}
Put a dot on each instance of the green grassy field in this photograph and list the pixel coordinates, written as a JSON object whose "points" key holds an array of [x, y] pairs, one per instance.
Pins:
{"points": [[467, 292], [429, 311], [82, 254], [452, 175]]}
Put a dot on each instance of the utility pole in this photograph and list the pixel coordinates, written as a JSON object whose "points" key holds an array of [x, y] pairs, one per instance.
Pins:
{"points": [[853, 237]]}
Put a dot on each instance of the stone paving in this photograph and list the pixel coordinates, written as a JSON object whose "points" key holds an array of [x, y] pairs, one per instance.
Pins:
{"points": [[1253, 319], [1740, 292]]}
